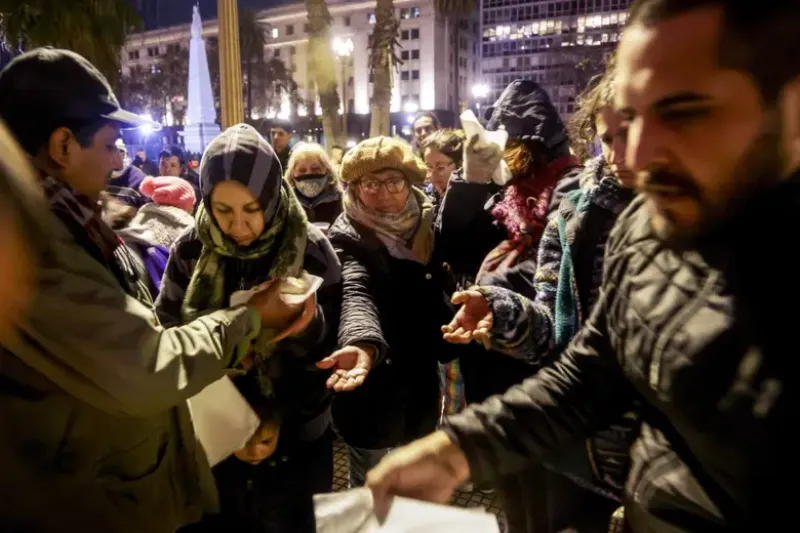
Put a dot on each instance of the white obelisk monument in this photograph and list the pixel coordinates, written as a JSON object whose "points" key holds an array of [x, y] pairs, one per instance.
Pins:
{"points": [[201, 117]]}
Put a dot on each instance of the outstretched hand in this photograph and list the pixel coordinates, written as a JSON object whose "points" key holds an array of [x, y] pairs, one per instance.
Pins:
{"points": [[351, 366], [472, 322]]}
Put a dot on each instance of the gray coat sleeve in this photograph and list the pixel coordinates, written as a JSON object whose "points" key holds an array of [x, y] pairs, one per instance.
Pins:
{"points": [[360, 319], [84, 333]]}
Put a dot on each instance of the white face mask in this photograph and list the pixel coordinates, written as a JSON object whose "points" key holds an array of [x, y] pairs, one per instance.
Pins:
{"points": [[311, 185]]}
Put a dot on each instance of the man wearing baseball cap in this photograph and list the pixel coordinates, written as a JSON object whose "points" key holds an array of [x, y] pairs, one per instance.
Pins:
{"points": [[92, 389]]}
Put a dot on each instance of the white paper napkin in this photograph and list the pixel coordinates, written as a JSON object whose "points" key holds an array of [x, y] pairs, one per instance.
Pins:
{"points": [[223, 420], [352, 512]]}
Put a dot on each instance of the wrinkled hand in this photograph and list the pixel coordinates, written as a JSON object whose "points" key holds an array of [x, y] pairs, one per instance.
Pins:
{"points": [[472, 322], [428, 469], [481, 159], [275, 312], [262, 444], [351, 366]]}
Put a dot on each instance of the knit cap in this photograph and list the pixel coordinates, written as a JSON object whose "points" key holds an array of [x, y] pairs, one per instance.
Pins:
{"points": [[381, 153], [168, 190]]}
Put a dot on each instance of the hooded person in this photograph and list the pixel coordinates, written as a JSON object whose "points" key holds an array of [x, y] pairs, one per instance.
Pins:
{"points": [[542, 171], [392, 287], [250, 230], [311, 172]]}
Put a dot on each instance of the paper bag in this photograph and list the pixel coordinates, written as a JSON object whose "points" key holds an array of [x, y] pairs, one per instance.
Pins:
{"points": [[223, 420], [353, 512]]}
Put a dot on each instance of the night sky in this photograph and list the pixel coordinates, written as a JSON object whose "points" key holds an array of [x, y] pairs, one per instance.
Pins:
{"points": [[160, 13]]}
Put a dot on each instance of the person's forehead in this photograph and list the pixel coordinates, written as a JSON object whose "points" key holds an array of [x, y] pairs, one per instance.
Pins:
{"points": [[387, 174], [677, 55], [278, 131], [171, 159], [434, 154], [308, 158]]}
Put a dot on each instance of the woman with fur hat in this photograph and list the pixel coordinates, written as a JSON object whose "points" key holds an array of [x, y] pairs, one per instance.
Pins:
{"points": [[393, 304], [250, 230]]}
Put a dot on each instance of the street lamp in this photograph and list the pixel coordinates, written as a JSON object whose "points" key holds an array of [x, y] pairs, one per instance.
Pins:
{"points": [[480, 92], [343, 48]]}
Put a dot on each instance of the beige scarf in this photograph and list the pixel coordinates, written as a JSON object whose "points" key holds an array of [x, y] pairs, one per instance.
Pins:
{"points": [[407, 234]]}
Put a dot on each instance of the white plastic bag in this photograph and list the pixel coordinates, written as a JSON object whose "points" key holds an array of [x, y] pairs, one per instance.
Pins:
{"points": [[472, 127]]}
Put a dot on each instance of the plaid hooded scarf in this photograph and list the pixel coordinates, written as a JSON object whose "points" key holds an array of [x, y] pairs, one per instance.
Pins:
{"points": [[241, 154]]}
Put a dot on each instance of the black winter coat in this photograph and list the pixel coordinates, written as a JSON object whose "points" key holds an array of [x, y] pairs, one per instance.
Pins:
{"points": [[693, 335], [398, 306]]}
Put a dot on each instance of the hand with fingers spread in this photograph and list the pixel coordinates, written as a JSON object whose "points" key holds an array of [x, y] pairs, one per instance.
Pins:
{"points": [[472, 322], [428, 469], [351, 366]]}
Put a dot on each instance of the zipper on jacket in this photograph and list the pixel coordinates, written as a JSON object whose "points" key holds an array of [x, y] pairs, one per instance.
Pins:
{"points": [[672, 327]]}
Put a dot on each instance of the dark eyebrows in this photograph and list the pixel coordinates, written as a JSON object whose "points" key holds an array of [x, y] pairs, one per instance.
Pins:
{"points": [[680, 99], [689, 97]]}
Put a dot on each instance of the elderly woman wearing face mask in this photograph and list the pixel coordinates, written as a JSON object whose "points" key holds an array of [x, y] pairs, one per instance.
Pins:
{"points": [[251, 229], [392, 303], [310, 171]]}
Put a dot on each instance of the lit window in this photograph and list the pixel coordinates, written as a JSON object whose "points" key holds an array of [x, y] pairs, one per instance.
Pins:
{"points": [[275, 33], [371, 18]]}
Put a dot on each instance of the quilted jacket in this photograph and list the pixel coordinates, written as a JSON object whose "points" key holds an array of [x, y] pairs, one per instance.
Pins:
{"points": [[690, 333]]}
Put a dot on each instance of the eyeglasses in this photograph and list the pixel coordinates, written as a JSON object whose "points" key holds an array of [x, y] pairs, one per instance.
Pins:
{"points": [[373, 187]]}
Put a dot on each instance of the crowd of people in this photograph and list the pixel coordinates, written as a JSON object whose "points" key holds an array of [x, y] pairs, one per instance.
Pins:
{"points": [[583, 321]]}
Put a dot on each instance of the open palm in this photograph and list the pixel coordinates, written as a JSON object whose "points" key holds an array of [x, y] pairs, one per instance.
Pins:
{"points": [[350, 366], [472, 322]]}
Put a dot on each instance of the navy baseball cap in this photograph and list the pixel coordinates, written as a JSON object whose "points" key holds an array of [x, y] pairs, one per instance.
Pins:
{"points": [[51, 84]]}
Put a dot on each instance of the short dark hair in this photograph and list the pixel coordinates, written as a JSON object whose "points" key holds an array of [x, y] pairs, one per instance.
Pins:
{"points": [[33, 135], [448, 142], [173, 151], [427, 114], [761, 41], [284, 124]]}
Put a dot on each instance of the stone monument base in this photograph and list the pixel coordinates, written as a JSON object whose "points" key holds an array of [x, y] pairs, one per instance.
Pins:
{"points": [[197, 136]]}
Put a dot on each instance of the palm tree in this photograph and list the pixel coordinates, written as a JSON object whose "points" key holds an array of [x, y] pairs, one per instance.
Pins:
{"points": [[96, 29], [322, 64], [251, 43], [170, 83], [382, 58], [453, 12]]}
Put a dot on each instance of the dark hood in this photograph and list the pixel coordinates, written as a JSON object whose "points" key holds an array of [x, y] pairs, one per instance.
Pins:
{"points": [[525, 111]]}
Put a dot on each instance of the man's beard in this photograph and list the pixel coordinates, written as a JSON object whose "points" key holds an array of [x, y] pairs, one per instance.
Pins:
{"points": [[758, 169]]}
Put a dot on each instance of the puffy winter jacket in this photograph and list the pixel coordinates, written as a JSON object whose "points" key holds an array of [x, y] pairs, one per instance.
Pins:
{"points": [[690, 334]]}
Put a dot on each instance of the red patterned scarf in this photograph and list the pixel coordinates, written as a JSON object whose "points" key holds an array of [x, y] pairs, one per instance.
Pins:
{"points": [[523, 212], [82, 218]]}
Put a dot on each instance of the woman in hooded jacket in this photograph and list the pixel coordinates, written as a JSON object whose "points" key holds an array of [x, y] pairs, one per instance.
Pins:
{"points": [[315, 180], [250, 229], [567, 280], [392, 307]]}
